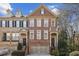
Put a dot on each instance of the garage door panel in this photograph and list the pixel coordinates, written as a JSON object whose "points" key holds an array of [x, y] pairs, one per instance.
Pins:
{"points": [[40, 49]]}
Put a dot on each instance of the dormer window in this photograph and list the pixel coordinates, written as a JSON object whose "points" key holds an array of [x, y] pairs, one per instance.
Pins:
{"points": [[42, 11]]}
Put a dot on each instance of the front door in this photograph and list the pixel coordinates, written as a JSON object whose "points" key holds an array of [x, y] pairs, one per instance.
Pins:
{"points": [[24, 41], [52, 43]]}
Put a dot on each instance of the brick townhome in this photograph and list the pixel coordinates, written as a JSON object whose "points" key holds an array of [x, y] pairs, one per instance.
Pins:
{"points": [[38, 30]]}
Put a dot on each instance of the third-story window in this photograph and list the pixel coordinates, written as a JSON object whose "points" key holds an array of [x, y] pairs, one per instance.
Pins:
{"points": [[31, 23], [3, 23], [46, 23], [38, 34], [24, 24], [31, 33], [45, 34], [42, 11], [38, 23], [21, 23], [17, 23], [10, 23]]}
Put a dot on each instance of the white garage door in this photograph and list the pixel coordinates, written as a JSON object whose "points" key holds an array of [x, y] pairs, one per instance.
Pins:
{"points": [[40, 50]]}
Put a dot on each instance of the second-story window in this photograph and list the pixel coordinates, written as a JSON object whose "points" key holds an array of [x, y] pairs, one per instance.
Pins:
{"points": [[31, 34], [46, 23], [31, 23], [52, 23], [45, 34], [38, 34], [38, 23]]}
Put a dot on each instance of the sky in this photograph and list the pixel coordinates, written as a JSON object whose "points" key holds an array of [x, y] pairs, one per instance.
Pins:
{"points": [[26, 8]]}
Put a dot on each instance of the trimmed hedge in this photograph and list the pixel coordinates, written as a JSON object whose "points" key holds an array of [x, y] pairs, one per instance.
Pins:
{"points": [[54, 52], [18, 53], [19, 47]]}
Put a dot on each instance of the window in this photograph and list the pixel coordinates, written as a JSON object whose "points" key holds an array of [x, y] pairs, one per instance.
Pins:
{"points": [[45, 23], [38, 23], [45, 34], [31, 23], [42, 11], [24, 24], [8, 36], [15, 36], [21, 23], [52, 24], [38, 34], [14, 23], [31, 34], [3, 23], [17, 23], [10, 23]]}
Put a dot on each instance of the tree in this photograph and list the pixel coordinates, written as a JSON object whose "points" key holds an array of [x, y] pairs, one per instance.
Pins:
{"points": [[62, 43]]}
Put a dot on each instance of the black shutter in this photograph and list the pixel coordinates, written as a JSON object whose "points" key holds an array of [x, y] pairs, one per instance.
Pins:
{"points": [[19, 23], [22, 23], [8, 23], [0, 23]]}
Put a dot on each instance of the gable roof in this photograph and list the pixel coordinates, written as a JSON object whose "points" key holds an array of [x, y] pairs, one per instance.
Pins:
{"points": [[48, 12]]}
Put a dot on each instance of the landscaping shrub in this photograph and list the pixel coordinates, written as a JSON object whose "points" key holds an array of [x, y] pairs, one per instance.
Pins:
{"points": [[18, 53], [19, 46], [54, 52], [74, 53]]}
